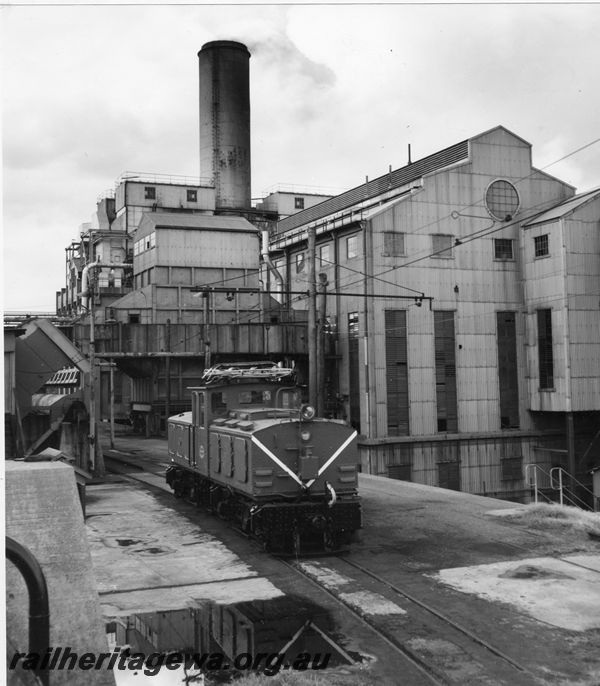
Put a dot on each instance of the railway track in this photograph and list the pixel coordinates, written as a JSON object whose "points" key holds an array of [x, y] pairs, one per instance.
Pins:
{"points": [[444, 651]]}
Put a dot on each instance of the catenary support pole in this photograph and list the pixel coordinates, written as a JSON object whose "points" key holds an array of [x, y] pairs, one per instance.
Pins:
{"points": [[312, 319], [322, 322]]}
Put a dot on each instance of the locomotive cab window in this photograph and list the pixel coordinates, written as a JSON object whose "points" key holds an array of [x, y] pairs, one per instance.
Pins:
{"points": [[252, 397], [288, 399], [218, 404]]}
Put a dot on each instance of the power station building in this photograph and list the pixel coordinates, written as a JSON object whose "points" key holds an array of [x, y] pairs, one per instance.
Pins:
{"points": [[490, 358], [459, 309]]}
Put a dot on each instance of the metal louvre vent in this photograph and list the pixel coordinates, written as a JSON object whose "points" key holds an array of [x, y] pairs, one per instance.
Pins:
{"points": [[400, 177]]}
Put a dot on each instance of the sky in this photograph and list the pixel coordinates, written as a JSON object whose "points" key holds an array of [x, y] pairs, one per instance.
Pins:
{"points": [[337, 93]]}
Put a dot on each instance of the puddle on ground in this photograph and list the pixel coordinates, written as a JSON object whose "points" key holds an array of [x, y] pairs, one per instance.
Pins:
{"points": [[155, 550], [128, 541], [213, 644], [533, 572]]}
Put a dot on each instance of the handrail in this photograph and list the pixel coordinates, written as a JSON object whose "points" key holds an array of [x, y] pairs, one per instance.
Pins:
{"points": [[556, 483], [39, 608], [536, 489]]}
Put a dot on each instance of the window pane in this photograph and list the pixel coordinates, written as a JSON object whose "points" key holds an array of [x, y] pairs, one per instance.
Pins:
{"points": [[503, 249], [541, 245], [352, 246], [393, 243], [445, 371], [502, 200], [324, 258], [442, 245], [545, 356]]}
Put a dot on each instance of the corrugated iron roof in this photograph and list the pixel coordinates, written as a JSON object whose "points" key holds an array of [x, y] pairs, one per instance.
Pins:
{"points": [[175, 220], [395, 179], [564, 208]]}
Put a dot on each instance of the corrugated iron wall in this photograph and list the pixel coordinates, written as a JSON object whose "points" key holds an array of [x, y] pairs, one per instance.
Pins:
{"points": [[474, 464]]}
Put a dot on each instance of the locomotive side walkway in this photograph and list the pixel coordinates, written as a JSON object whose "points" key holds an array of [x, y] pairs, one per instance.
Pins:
{"points": [[532, 590]]}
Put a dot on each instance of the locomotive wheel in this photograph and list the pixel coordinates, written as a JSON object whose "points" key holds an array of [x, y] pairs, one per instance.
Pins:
{"points": [[329, 542], [222, 509]]}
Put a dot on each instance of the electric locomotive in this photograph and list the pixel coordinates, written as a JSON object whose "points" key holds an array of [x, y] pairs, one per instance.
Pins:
{"points": [[253, 453]]}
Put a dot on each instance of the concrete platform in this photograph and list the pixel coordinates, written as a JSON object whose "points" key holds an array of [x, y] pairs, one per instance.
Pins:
{"points": [[147, 556], [43, 513]]}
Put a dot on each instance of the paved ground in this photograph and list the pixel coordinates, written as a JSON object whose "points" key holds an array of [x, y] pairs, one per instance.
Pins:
{"points": [[534, 593]]}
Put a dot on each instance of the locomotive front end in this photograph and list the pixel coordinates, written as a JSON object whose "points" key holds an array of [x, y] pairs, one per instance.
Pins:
{"points": [[306, 484]]}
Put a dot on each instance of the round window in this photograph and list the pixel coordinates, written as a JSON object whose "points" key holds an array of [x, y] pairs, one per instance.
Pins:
{"points": [[502, 200]]}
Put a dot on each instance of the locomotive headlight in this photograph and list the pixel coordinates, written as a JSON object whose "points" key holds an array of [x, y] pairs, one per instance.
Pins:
{"points": [[307, 412], [305, 435]]}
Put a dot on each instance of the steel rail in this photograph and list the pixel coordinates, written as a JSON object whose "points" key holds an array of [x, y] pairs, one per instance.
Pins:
{"points": [[439, 615], [426, 669]]}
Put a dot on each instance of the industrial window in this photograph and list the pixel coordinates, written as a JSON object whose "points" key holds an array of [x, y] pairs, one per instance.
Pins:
{"points": [[442, 245], [507, 370], [353, 370], [149, 193], [396, 372], [393, 243], [502, 200], [503, 249], [449, 475], [512, 468], [134, 318], [541, 245], [300, 262], [352, 324], [298, 203], [192, 195], [150, 241], [545, 357], [445, 371], [352, 246], [324, 256], [399, 471]]}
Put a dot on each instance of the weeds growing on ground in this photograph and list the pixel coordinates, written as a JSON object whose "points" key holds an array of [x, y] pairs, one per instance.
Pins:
{"points": [[562, 519]]}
